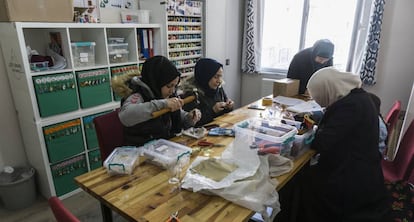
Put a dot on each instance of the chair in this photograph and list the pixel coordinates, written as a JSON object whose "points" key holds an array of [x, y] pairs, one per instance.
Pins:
{"points": [[109, 131], [62, 214], [402, 166], [392, 116]]}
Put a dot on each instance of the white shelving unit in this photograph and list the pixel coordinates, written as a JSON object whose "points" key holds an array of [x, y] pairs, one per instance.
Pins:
{"points": [[183, 25], [58, 137]]}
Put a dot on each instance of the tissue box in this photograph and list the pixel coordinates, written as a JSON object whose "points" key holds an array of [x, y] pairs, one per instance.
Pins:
{"points": [[122, 160], [285, 87]]}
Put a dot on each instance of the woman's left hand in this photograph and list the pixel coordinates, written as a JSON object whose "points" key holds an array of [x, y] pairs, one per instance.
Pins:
{"points": [[229, 104], [195, 115]]}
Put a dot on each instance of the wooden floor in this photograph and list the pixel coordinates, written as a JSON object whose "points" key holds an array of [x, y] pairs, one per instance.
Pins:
{"points": [[85, 207]]}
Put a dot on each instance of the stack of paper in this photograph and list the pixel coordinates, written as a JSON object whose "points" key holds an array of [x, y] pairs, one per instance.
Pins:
{"points": [[308, 106]]}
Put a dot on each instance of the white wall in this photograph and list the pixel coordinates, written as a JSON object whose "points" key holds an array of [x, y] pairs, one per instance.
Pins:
{"points": [[11, 144], [395, 69], [223, 42]]}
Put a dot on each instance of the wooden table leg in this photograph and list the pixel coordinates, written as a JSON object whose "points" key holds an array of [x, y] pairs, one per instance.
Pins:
{"points": [[106, 213]]}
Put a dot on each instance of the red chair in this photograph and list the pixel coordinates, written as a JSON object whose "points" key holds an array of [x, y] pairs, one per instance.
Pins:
{"points": [[109, 131], [402, 166], [392, 116], [62, 214]]}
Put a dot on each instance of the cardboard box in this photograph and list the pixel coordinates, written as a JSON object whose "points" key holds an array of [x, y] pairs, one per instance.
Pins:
{"points": [[36, 11], [285, 87]]}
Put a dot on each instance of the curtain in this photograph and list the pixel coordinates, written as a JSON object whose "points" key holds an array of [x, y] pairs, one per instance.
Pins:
{"points": [[369, 61], [251, 50]]}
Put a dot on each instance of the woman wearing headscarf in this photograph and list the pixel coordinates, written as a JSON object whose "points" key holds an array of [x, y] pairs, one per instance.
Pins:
{"points": [[153, 91], [310, 60], [208, 80], [346, 183]]}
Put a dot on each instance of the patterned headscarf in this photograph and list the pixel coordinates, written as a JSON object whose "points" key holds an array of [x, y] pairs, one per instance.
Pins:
{"points": [[328, 85], [157, 72], [205, 69]]}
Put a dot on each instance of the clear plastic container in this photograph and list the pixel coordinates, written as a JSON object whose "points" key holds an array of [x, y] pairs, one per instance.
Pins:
{"points": [[117, 48], [265, 135], [115, 40], [122, 160], [165, 153], [118, 57], [302, 143], [83, 53]]}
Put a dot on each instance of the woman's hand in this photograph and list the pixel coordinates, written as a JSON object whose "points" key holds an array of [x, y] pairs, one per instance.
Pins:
{"points": [[175, 103], [229, 104], [219, 106], [195, 115]]}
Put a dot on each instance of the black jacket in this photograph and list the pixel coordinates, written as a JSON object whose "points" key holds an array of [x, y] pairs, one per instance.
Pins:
{"points": [[206, 102], [303, 66], [347, 184]]}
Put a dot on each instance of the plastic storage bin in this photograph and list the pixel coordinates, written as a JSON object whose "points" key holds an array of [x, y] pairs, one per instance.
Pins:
{"points": [[118, 52], [122, 160], [264, 134], [165, 153], [17, 187], [302, 143], [83, 53]]}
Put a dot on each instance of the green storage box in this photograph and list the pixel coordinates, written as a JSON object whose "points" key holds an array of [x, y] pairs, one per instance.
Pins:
{"points": [[121, 70], [94, 87], [63, 174], [90, 133], [95, 159], [63, 140], [56, 93]]}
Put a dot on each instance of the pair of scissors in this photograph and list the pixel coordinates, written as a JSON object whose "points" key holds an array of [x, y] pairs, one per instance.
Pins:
{"points": [[173, 217]]}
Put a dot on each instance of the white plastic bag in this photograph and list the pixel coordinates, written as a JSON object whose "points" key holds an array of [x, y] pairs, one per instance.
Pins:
{"points": [[249, 185], [246, 159]]}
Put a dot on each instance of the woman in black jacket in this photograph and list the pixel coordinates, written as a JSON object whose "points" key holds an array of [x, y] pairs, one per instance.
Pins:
{"points": [[208, 80], [346, 184], [310, 60]]}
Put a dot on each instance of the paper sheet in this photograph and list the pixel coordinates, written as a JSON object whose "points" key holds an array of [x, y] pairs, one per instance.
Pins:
{"points": [[288, 101], [308, 106]]}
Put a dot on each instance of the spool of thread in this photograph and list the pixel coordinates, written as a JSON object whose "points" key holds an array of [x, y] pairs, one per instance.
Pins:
{"points": [[267, 101]]}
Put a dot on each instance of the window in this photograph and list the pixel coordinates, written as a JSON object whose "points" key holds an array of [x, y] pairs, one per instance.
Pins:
{"points": [[292, 25]]}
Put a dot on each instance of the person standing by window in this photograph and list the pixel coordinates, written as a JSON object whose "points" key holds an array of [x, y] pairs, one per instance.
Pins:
{"points": [[310, 60]]}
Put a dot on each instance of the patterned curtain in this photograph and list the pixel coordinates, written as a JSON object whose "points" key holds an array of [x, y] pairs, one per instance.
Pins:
{"points": [[252, 37], [369, 62]]}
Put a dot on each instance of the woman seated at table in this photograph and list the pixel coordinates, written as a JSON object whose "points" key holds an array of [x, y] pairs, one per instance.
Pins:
{"points": [[208, 80], [346, 183], [152, 92]]}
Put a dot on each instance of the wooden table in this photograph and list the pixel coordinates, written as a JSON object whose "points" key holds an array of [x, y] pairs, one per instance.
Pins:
{"points": [[146, 195]]}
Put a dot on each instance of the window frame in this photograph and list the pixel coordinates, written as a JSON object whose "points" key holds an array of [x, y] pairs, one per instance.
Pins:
{"points": [[352, 45]]}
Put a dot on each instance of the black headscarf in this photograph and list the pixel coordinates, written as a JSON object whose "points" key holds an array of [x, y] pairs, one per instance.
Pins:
{"points": [[205, 69], [157, 72], [322, 48]]}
